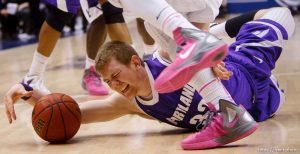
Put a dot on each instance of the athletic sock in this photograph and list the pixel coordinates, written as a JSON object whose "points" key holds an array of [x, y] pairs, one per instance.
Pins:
{"points": [[219, 30], [158, 13], [38, 64], [149, 49], [89, 62], [210, 88]]}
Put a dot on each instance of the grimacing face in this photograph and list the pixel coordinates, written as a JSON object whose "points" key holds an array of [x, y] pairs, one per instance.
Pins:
{"points": [[127, 80]]}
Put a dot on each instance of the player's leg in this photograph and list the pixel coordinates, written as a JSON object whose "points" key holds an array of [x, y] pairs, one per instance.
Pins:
{"points": [[116, 26], [231, 27], [199, 18], [202, 18], [230, 123], [283, 17], [210, 87], [205, 82], [96, 35], [242, 124], [227, 121], [49, 34], [149, 44], [268, 52], [112, 21], [212, 90], [197, 49], [220, 99]]}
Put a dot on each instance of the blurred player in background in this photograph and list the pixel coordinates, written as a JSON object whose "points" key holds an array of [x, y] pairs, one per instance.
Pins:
{"points": [[59, 14]]}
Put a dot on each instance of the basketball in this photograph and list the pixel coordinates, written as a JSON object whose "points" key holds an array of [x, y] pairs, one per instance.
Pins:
{"points": [[56, 117]]}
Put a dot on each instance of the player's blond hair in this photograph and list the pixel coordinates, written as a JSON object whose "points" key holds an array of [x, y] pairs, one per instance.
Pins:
{"points": [[121, 51]]}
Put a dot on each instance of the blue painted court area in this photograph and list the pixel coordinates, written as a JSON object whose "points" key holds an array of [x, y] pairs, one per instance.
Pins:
{"points": [[240, 6], [7, 44]]}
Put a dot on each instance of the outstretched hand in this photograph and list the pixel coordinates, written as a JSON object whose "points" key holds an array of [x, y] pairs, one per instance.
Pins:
{"points": [[221, 72], [14, 94]]}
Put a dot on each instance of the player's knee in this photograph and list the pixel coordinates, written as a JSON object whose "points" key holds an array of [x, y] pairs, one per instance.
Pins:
{"points": [[283, 16], [288, 19], [99, 20], [112, 14], [57, 19]]}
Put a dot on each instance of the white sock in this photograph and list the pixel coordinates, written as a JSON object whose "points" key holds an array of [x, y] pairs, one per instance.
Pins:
{"points": [[219, 31], [149, 49], [89, 62], [159, 13], [38, 65], [210, 88]]}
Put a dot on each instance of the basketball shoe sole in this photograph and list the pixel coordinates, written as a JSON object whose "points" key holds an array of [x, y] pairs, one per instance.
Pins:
{"points": [[197, 50]]}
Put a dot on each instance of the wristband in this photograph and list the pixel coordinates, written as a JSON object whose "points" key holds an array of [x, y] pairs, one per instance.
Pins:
{"points": [[27, 88]]}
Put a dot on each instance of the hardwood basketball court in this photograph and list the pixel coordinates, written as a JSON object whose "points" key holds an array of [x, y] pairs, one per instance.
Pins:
{"points": [[132, 134]]}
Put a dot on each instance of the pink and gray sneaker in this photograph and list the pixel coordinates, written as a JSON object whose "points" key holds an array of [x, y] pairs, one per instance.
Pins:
{"points": [[196, 50], [230, 124], [91, 82]]}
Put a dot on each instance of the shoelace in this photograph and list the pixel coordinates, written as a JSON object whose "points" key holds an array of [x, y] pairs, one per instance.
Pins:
{"points": [[179, 48], [210, 117]]}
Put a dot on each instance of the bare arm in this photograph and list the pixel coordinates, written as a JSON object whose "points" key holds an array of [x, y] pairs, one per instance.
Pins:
{"points": [[108, 109]]}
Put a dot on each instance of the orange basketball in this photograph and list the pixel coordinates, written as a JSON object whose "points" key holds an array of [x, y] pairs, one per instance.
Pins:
{"points": [[56, 117]]}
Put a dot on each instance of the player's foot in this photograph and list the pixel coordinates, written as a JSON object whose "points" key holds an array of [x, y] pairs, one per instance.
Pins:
{"points": [[91, 82], [35, 82], [229, 124], [197, 50]]}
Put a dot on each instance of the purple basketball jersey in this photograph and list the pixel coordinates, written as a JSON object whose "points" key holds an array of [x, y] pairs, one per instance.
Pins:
{"points": [[181, 108], [71, 6], [251, 59]]}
